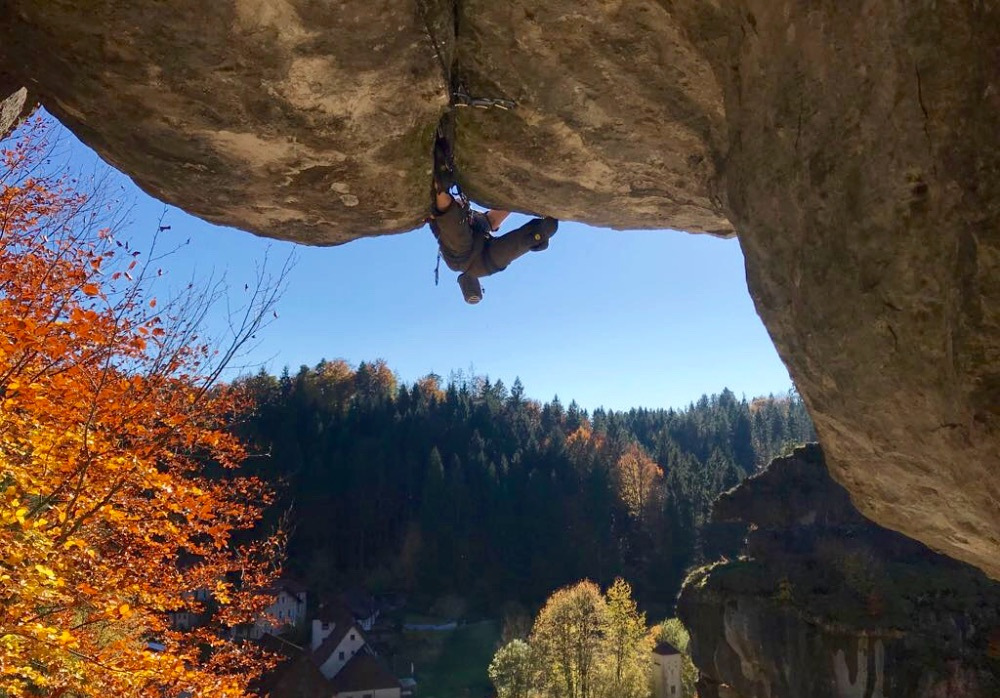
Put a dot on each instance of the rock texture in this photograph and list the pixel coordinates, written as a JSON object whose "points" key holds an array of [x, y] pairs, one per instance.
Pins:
{"points": [[826, 604], [308, 121], [620, 120], [851, 142], [864, 177], [16, 103], [312, 121]]}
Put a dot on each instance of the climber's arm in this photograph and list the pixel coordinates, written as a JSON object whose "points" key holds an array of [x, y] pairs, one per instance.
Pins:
{"points": [[496, 218]]}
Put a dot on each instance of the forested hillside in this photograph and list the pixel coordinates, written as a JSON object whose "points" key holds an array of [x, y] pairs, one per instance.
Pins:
{"points": [[474, 488]]}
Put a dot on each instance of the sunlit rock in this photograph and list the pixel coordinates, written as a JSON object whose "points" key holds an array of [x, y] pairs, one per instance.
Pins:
{"points": [[853, 146]]}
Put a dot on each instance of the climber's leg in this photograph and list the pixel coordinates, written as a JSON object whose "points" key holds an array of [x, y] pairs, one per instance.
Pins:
{"points": [[454, 235], [472, 290], [500, 252]]}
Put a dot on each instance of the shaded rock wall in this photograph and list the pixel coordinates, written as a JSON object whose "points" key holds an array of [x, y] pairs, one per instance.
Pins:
{"points": [[851, 142], [828, 605], [864, 178]]}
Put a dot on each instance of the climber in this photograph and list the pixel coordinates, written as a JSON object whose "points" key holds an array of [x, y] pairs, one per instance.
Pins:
{"points": [[464, 235]]}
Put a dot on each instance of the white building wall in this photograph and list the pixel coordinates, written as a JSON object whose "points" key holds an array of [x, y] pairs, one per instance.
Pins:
{"points": [[320, 631], [348, 647], [184, 620], [286, 610], [667, 676]]}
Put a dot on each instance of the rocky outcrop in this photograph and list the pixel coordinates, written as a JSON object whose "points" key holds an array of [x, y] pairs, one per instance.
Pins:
{"points": [[852, 145], [863, 176], [296, 119], [620, 120], [826, 604], [15, 104], [313, 121]]}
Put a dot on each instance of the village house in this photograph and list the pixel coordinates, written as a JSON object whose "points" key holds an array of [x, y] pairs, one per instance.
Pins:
{"points": [[339, 663], [288, 610], [362, 606], [666, 671], [365, 676], [195, 615], [336, 638], [186, 619]]}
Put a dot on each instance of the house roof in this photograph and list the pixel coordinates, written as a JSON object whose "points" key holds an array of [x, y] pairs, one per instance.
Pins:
{"points": [[293, 679], [290, 585], [362, 673], [335, 612], [665, 648]]}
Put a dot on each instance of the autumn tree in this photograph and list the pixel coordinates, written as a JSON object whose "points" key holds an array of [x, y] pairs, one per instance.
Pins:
{"points": [[627, 668], [583, 645], [110, 412], [430, 387], [512, 670], [568, 637], [335, 382], [375, 380], [583, 446], [638, 476]]}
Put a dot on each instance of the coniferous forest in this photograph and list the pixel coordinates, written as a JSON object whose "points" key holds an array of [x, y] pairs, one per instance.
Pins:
{"points": [[471, 487]]}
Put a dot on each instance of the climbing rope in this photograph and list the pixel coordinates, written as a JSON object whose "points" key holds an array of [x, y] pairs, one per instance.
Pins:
{"points": [[425, 15], [458, 96]]}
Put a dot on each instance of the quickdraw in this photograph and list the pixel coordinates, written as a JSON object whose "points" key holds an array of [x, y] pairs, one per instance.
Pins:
{"points": [[461, 98]]}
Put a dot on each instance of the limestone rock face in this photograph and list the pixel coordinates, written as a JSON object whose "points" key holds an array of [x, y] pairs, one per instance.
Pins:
{"points": [[308, 121], [853, 144], [863, 175], [828, 605], [313, 121], [619, 120], [15, 103]]}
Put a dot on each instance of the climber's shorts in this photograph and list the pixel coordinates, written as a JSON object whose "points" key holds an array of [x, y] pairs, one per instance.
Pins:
{"points": [[455, 233]]}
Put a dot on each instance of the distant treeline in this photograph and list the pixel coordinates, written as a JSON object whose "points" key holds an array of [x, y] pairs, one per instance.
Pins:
{"points": [[473, 488]]}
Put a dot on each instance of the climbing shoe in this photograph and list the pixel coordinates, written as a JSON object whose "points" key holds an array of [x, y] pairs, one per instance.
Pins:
{"points": [[472, 290], [539, 231]]}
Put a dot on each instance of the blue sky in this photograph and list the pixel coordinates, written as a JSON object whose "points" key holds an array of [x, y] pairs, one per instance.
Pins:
{"points": [[619, 319]]}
